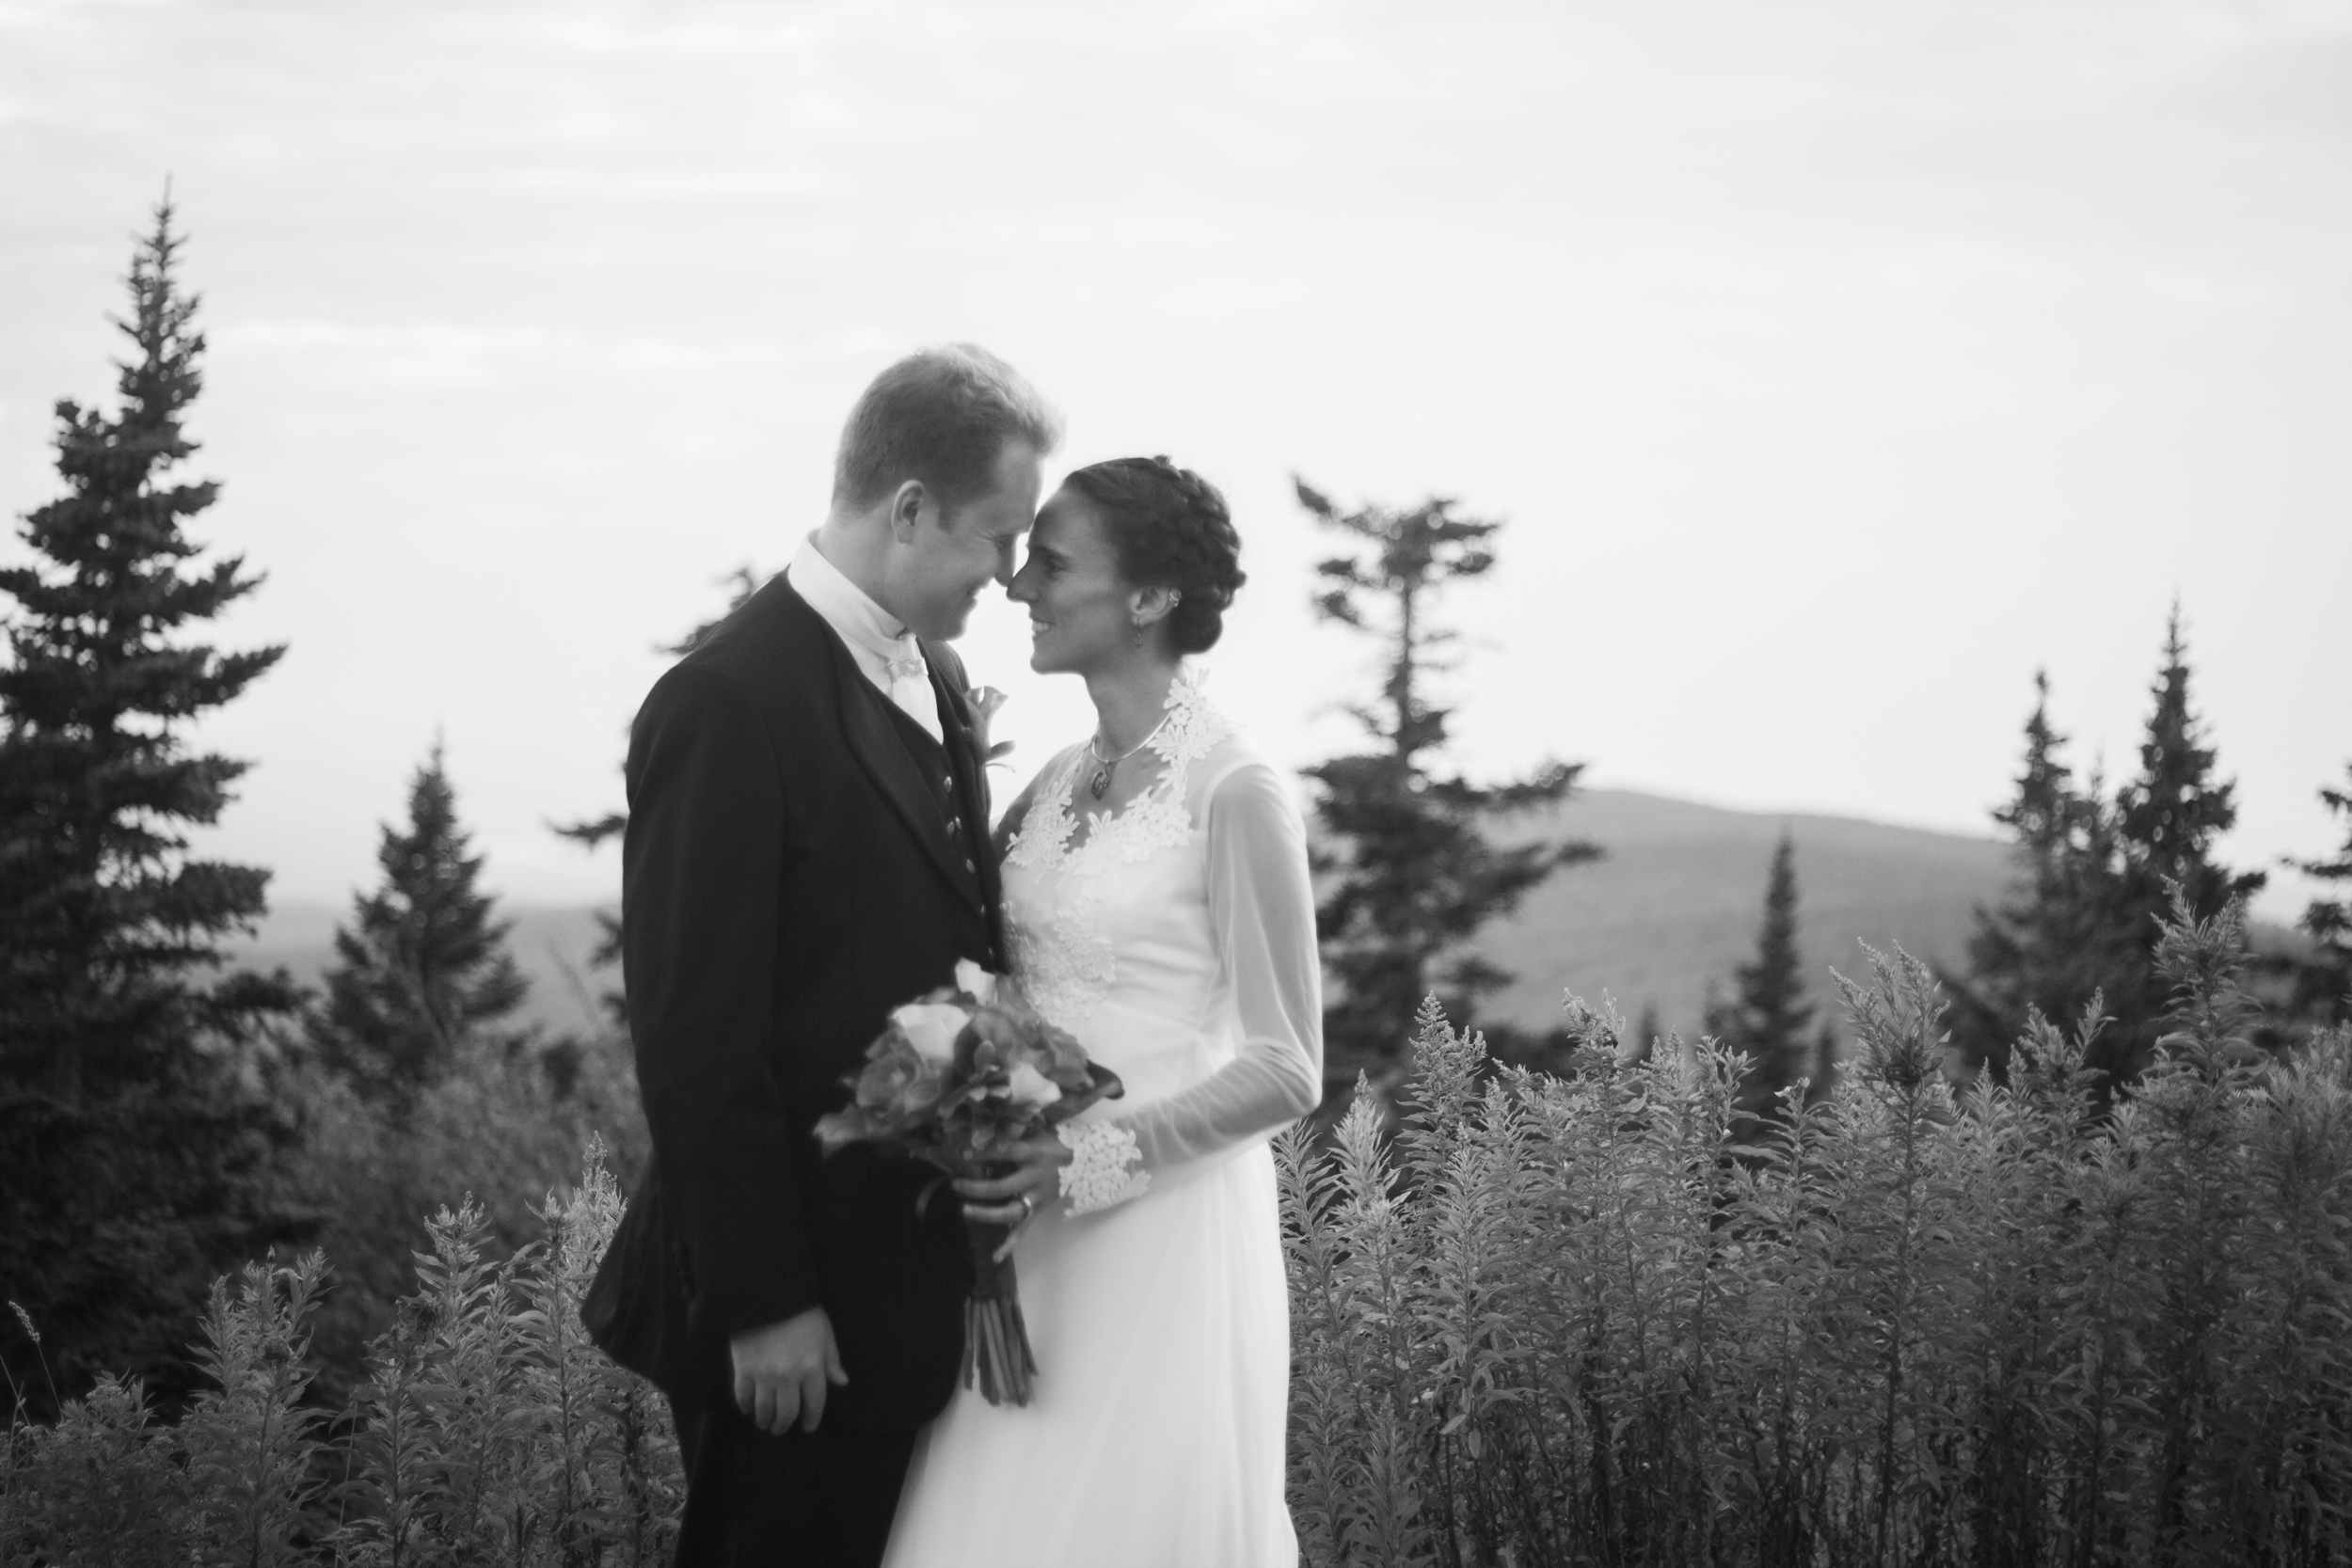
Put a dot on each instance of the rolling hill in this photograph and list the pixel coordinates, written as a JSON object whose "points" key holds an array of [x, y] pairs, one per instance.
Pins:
{"points": [[1674, 904], [1676, 900]]}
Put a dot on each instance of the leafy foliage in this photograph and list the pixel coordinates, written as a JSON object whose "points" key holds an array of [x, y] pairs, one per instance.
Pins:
{"points": [[1569, 1320], [1409, 872], [488, 1430], [495, 1128]]}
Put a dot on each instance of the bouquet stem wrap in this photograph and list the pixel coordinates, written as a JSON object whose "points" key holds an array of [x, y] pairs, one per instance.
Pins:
{"points": [[997, 1356]]}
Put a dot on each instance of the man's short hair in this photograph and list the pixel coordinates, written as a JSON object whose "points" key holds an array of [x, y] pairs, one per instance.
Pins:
{"points": [[942, 416]]}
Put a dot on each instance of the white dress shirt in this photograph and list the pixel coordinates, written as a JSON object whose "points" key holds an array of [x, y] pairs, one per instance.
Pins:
{"points": [[883, 648]]}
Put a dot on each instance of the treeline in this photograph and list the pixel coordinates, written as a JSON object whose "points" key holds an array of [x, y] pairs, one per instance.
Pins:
{"points": [[2097, 875]]}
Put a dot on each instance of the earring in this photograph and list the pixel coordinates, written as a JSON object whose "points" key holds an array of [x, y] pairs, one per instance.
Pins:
{"points": [[1139, 629]]}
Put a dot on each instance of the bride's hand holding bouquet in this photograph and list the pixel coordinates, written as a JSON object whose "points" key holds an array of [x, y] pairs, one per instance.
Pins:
{"points": [[971, 1079]]}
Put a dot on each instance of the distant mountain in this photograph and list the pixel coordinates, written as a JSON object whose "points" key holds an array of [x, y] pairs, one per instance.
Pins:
{"points": [[551, 947], [1674, 904], [1676, 900]]}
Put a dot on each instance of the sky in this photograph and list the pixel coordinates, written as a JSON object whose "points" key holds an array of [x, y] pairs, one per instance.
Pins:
{"points": [[1832, 365]]}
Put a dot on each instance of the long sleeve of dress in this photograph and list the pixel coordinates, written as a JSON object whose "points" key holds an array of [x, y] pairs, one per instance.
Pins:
{"points": [[1261, 913]]}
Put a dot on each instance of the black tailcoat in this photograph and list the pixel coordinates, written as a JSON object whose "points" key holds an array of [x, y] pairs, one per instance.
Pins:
{"points": [[801, 858]]}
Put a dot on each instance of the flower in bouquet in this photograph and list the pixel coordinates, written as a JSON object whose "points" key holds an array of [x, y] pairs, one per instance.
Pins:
{"points": [[957, 1079]]}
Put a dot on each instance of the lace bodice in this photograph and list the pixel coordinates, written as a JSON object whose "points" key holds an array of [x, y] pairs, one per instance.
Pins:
{"points": [[1177, 940]]}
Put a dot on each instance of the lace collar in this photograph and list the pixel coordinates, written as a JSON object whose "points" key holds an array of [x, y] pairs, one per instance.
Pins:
{"points": [[1154, 820]]}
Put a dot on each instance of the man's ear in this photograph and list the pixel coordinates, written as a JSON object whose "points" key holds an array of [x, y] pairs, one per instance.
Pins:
{"points": [[906, 510]]}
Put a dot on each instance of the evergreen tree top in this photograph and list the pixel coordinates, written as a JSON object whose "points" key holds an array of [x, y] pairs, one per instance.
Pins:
{"points": [[1767, 1017], [423, 965], [108, 586], [2043, 811], [101, 914], [2175, 810], [1771, 985], [1414, 552]]}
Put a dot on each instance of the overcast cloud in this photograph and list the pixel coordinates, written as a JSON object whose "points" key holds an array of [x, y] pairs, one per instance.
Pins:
{"points": [[1836, 365]]}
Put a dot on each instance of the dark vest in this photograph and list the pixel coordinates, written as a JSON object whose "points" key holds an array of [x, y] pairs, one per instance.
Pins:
{"points": [[955, 793]]}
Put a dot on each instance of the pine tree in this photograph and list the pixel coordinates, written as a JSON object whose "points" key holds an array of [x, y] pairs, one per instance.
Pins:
{"points": [[1768, 1018], [130, 1159], [2167, 821], [104, 916], [2323, 982], [1411, 874], [2095, 885], [423, 967], [2062, 934]]}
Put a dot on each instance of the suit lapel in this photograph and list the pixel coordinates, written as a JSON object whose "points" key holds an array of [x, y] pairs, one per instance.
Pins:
{"points": [[884, 758]]}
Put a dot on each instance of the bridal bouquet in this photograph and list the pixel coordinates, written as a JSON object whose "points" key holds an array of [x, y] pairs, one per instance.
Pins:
{"points": [[956, 1081]]}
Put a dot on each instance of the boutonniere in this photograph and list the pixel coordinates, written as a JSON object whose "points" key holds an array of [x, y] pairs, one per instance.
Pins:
{"points": [[985, 700]]}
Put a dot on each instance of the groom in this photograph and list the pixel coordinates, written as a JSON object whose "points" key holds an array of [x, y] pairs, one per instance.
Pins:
{"points": [[806, 851]]}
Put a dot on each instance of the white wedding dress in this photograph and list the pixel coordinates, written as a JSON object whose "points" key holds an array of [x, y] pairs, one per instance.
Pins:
{"points": [[1176, 939]]}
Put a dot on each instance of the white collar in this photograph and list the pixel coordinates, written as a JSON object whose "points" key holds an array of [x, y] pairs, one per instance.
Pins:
{"points": [[847, 609]]}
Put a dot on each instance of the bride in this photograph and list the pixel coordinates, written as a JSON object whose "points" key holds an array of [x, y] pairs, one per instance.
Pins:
{"points": [[1157, 901]]}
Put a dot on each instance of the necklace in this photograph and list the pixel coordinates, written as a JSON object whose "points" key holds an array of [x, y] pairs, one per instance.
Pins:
{"points": [[1101, 782]]}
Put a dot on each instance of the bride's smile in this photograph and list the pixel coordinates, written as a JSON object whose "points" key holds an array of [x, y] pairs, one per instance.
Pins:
{"points": [[1083, 612]]}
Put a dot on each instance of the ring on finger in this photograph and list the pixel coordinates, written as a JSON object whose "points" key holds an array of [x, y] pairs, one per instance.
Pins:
{"points": [[1029, 1206]]}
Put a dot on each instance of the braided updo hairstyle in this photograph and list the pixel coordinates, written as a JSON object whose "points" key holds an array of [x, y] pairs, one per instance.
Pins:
{"points": [[1169, 529]]}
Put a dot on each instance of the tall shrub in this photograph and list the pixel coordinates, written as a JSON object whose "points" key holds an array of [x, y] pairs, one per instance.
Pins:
{"points": [[1573, 1320], [489, 1429]]}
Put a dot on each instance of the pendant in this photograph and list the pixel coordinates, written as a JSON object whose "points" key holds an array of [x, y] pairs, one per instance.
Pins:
{"points": [[1100, 782]]}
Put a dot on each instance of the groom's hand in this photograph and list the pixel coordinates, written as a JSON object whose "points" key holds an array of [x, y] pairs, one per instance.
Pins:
{"points": [[782, 1371]]}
